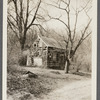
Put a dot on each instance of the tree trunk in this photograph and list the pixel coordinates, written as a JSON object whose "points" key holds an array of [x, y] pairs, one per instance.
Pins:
{"points": [[67, 64], [77, 70], [23, 40], [22, 46]]}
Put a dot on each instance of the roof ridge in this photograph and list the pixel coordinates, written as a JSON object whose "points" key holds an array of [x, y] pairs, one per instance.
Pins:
{"points": [[51, 42]]}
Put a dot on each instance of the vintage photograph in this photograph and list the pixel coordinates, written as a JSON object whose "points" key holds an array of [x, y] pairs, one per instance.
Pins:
{"points": [[49, 50]]}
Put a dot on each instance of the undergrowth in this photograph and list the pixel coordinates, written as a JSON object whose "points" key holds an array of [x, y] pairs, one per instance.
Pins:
{"points": [[34, 86]]}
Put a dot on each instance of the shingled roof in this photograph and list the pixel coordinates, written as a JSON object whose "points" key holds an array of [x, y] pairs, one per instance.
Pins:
{"points": [[51, 42]]}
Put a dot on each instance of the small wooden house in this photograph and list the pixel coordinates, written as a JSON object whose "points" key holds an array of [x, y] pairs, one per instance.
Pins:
{"points": [[48, 53]]}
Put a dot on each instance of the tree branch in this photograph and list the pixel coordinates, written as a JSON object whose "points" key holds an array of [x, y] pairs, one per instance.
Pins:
{"points": [[34, 15], [27, 14], [13, 30]]}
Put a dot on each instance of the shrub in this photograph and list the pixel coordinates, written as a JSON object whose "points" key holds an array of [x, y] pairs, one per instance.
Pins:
{"points": [[22, 60]]}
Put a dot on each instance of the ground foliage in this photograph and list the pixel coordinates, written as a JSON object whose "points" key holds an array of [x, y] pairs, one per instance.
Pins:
{"points": [[17, 81]]}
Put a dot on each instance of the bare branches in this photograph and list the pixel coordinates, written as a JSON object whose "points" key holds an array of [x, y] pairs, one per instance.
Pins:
{"points": [[12, 26], [9, 1], [19, 21], [16, 10], [84, 7], [34, 15], [56, 6], [10, 15], [39, 26], [71, 44], [40, 17], [59, 20], [83, 37], [75, 26], [27, 14], [65, 2]]}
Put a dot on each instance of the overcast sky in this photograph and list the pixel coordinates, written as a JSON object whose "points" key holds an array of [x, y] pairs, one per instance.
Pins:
{"points": [[54, 12]]}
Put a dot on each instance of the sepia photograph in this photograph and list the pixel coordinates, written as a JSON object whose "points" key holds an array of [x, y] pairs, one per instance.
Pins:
{"points": [[49, 50]]}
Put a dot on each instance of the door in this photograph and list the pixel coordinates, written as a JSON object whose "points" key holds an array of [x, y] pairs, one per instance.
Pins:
{"points": [[62, 60]]}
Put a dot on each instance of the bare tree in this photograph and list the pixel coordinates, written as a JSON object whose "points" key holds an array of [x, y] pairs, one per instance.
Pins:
{"points": [[71, 44], [21, 17]]}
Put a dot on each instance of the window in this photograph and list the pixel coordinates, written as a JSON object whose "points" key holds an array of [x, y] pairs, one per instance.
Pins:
{"points": [[34, 45], [50, 56]]}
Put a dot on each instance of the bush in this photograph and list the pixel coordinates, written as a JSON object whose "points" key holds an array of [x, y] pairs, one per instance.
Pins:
{"points": [[22, 60], [17, 83], [13, 54]]}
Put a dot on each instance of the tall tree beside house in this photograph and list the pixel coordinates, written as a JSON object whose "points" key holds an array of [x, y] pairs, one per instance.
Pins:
{"points": [[72, 30], [22, 15]]}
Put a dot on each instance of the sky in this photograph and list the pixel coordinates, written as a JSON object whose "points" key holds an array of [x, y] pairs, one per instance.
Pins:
{"points": [[56, 13]]}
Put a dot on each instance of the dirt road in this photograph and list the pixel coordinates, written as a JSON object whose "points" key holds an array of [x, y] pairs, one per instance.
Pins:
{"points": [[62, 86], [80, 90], [76, 90]]}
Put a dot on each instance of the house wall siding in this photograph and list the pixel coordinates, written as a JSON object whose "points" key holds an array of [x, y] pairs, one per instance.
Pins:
{"points": [[56, 58]]}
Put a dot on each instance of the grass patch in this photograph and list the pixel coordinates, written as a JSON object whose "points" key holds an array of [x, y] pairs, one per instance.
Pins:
{"points": [[16, 83]]}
